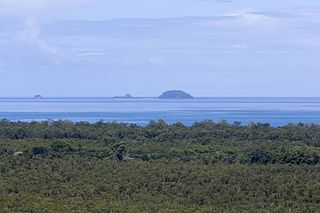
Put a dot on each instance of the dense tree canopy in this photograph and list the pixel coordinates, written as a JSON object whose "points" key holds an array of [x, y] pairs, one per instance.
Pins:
{"points": [[114, 167]]}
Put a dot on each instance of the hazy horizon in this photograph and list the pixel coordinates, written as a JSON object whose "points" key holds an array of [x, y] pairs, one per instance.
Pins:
{"points": [[209, 48]]}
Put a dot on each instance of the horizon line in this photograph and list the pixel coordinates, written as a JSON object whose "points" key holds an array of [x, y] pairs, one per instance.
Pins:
{"points": [[133, 97]]}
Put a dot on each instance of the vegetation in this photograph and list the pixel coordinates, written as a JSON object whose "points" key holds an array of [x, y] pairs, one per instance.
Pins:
{"points": [[114, 167]]}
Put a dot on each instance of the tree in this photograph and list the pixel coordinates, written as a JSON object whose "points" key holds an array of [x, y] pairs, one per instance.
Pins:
{"points": [[121, 152], [39, 151]]}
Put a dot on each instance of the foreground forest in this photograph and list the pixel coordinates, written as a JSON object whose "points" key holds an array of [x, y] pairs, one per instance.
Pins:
{"points": [[114, 167]]}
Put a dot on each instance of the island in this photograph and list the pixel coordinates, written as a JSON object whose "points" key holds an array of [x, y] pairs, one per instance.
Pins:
{"points": [[125, 96], [175, 94], [37, 97]]}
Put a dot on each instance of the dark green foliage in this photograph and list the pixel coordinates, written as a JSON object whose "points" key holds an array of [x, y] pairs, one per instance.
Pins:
{"points": [[39, 151], [203, 132], [111, 167], [120, 152]]}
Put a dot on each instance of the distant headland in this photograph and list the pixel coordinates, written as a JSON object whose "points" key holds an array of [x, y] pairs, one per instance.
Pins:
{"points": [[175, 94]]}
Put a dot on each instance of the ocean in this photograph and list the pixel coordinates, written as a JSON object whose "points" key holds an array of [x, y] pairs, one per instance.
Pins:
{"points": [[275, 111]]}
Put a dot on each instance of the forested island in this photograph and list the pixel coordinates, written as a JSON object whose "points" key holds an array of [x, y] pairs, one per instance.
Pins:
{"points": [[175, 94], [115, 167]]}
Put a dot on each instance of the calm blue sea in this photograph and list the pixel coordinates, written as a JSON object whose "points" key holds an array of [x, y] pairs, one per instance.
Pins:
{"points": [[276, 111]]}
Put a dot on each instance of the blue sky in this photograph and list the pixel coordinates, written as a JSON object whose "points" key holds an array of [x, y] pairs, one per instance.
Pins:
{"points": [[143, 47]]}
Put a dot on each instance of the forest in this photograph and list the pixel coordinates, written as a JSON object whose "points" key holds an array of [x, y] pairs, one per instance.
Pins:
{"points": [[62, 166]]}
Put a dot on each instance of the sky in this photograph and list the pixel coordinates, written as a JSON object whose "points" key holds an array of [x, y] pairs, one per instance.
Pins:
{"points": [[101, 48]]}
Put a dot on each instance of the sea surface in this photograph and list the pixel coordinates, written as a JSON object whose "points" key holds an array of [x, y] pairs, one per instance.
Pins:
{"points": [[275, 111]]}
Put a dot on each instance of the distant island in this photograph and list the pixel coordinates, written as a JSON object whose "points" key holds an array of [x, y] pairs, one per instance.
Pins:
{"points": [[175, 94], [37, 97], [125, 96]]}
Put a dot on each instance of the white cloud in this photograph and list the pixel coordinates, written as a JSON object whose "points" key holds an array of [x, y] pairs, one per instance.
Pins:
{"points": [[86, 53], [32, 36], [240, 46], [249, 17], [157, 61], [143, 61]]}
